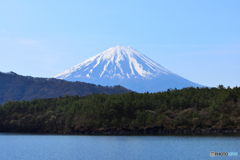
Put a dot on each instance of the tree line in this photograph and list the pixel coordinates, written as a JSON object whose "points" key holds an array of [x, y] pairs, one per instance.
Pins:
{"points": [[188, 108]]}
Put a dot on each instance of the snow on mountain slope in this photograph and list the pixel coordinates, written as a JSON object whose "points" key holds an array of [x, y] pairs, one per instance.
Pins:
{"points": [[119, 61], [125, 66]]}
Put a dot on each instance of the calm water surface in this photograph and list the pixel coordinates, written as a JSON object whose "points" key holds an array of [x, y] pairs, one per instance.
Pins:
{"points": [[64, 147]]}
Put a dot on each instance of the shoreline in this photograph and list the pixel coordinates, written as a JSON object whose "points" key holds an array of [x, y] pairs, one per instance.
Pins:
{"points": [[139, 132]]}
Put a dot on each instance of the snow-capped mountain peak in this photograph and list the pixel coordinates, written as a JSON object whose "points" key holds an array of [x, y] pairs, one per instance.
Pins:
{"points": [[121, 65], [119, 61]]}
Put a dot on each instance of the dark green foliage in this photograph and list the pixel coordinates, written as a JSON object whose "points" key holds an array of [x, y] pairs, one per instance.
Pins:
{"points": [[189, 108]]}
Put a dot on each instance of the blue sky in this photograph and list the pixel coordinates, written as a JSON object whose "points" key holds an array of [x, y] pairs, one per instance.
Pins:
{"points": [[198, 40]]}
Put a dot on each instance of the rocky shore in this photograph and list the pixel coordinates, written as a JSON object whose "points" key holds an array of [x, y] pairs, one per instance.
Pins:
{"points": [[127, 131], [153, 131]]}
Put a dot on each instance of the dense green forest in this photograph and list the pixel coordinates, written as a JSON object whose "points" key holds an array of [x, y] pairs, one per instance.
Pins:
{"points": [[185, 109]]}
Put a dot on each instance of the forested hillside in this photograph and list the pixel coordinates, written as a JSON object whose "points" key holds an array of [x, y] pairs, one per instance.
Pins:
{"points": [[17, 87], [186, 109]]}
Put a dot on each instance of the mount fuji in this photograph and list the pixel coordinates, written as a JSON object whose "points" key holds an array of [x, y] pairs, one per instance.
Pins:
{"points": [[127, 67]]}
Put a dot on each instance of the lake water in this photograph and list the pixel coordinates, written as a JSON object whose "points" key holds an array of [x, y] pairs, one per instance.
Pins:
{"points": [[64, 147]]}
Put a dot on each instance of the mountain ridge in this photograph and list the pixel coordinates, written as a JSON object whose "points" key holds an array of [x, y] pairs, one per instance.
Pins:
{"points": [[15, 87]]}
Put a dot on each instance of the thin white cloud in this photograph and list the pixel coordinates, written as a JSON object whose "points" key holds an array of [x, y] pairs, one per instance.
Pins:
{"points": [[28, 41]]}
